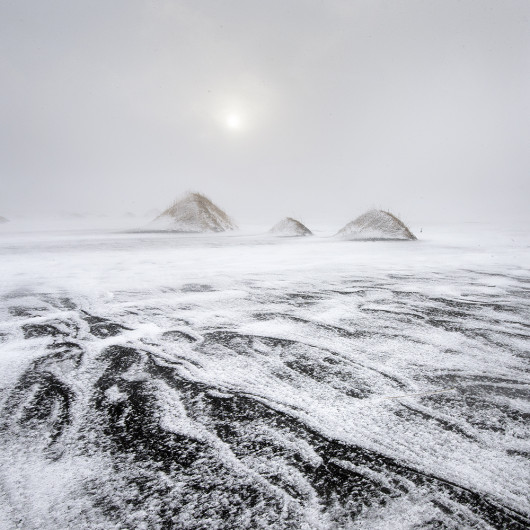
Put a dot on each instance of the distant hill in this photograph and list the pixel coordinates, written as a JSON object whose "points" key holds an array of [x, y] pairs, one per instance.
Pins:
{"points": [[376, 225], [3, 220], [194, 213], [290, 227]]}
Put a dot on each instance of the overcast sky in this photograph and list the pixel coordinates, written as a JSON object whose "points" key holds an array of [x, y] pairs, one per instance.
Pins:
{"points": [[318, 109]]}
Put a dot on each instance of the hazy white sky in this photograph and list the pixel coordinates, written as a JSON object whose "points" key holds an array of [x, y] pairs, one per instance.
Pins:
{"points": [[318, 109]]}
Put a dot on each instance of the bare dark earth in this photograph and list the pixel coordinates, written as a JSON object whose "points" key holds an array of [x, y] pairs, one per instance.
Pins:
{"points": [[154, 430]]}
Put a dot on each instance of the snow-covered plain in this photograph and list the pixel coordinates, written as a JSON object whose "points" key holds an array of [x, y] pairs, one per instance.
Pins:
{"points": [[245, 381]]}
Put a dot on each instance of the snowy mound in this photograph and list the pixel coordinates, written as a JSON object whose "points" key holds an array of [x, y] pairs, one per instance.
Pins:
{"points": [[290, 227], [376, 224], [194, 213], [3, 220]]}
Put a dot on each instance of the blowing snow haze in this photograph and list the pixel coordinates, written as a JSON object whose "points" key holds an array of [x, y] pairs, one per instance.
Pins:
{"points": [[213, 312], [315, 110]]}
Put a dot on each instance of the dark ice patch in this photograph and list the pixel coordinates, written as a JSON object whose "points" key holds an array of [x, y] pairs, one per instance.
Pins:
{"points": [[32, 331], [103, 327], [40, 403], [178, 335], [197, 288]]}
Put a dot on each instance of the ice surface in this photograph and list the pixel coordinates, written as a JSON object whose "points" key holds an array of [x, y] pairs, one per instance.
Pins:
{"points": [[232, 381]]}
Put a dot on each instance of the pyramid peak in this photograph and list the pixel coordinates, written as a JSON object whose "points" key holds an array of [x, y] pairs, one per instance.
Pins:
{"points": [[193, 213], [376, 224], [289, 227]]}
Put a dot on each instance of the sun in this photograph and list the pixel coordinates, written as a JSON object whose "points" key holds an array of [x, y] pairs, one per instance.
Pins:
{"points": [[233, 121]]}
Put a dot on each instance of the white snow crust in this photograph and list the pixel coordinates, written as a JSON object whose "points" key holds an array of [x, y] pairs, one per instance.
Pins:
{"points": [[273, 368]]}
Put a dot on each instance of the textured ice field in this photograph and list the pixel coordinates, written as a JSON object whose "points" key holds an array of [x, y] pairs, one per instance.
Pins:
{"points": [[164, 381]]}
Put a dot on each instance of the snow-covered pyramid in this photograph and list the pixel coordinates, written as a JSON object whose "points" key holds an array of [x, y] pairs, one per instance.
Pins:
{"points": [[290, 227], [376, 224], [193, 213]]}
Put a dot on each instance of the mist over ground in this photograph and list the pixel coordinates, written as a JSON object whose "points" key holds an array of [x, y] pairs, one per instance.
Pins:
{"points": [[351, 368], [317, 110]]}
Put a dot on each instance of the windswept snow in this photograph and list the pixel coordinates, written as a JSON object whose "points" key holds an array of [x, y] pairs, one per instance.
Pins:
{"points": [[167, 381], [193, 213], [153, 212], [290, 227], [375, 225]]}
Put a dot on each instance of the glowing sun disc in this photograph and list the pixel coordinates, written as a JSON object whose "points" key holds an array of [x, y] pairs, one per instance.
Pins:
{"points": [[233, 121]]}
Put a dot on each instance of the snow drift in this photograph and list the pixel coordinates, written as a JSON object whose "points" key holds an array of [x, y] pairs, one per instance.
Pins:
{"points": [[374, 225], [220, 382], [193, 213], [290, 227]]}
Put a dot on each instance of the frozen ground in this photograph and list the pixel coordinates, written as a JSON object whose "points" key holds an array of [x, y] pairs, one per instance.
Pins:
{"points": [[164, 381]]}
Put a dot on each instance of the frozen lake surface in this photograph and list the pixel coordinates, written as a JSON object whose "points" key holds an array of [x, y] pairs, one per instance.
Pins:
{"points": [[242, 381]]}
